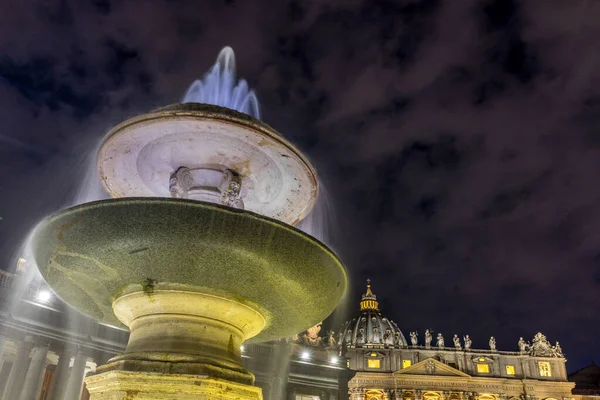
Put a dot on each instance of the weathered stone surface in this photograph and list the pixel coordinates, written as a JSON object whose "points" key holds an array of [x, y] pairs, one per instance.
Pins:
{"points": [[177, 331], [139, 156], [90, 253]]}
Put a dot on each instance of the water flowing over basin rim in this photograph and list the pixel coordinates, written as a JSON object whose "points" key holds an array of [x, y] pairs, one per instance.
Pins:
{"points": [[90, 252]]}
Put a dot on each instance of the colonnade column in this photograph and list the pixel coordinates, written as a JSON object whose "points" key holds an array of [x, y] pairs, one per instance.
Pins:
{"points": [[35, 374], [291, 394], [2, 362], [279, 382], [2, 342], [18, 370], [356, 394], [61, 376], [75, 384]]}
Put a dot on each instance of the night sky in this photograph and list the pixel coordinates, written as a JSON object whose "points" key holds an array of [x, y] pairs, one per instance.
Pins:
{"points": [[459, 139]]}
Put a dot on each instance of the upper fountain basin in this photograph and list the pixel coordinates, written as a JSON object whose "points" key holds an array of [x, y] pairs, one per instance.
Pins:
{"points": [[90, 253], [138, 157]]}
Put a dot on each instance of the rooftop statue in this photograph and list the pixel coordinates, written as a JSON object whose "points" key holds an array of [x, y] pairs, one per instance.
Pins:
{"points": [[468, 342], [523, 346], [558, 350], [331, 342], [493, 343], [428, 338], [456, 341], [440, 340], [413, 338], [310, 337]]}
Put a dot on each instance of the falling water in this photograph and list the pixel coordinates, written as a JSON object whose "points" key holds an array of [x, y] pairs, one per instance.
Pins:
{"points": [[90, 188], [320, 220], [219, 87]]}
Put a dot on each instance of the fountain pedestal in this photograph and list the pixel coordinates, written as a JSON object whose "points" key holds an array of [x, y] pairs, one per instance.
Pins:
{"points": [[184, 344]]}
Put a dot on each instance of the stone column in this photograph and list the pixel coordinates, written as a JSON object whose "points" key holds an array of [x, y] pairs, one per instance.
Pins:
{"points": [[2, 341], [75, 384], [279, 382], [18, 370], [35, 374], [61, 376], [291, 394], [356, 394]]}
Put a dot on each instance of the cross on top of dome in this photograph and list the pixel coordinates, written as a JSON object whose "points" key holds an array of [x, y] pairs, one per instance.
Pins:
{"points": [[369, 300]]}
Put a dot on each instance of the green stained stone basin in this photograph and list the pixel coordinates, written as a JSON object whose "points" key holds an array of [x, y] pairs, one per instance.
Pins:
{"points": [[88, 254]]}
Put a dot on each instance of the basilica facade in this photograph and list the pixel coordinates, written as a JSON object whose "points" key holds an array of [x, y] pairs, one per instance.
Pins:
{"points": [[388, 367]]}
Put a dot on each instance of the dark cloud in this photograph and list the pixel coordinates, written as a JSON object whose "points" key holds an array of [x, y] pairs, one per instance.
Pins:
{"points": [[458, 139]]}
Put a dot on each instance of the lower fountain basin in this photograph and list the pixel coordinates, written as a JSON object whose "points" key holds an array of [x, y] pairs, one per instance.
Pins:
{"points": [[90, 254]]}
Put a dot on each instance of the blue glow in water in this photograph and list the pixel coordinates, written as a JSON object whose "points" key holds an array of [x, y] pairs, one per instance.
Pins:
{"points": [[219, 87]]}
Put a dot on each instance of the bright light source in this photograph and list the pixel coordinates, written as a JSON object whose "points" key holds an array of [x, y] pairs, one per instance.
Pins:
{"points": [[44, 296], [333, 359], [242, 348], [305, 355]]}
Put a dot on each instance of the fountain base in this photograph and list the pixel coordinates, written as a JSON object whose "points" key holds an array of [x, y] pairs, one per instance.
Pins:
{"points": [[130, 385], [182, 343]]}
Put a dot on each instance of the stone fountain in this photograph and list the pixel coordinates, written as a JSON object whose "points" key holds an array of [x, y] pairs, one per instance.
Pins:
{"points": [[195, 253]]}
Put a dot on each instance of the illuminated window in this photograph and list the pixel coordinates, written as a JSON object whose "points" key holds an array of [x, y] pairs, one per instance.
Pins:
{"points": [[544, 368], [373, 354], [374, 363], [510, 370], [431, 396], [406, 363], [374, 394], [483, 368], [348, 363]]}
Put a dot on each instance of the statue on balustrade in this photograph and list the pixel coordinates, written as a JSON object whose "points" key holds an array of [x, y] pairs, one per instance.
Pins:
{"points": [[440, 340], [456, 341], [310, 337], [413, 338], [428, 338], [523, 346], [558, 350], [468, 342]]}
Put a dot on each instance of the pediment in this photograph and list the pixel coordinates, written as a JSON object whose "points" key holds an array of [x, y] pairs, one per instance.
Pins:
{"points": [[433, 367]]}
